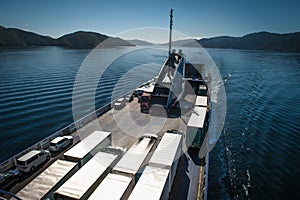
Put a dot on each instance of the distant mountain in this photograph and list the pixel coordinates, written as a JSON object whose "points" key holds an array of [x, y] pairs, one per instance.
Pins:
{"points": [[89, 40], [257, 41], [112, 42], [289, 42], [79, 39], [139, 42], [181, 43], [17, 37]]}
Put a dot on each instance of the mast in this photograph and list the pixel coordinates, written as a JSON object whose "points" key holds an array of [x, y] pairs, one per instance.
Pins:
{"points": [[171, 24]]}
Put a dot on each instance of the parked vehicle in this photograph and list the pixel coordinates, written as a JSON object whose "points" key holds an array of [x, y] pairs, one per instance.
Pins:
{"points": [[87, 178], [135, 159], [89, 146], [145, 102], [9, 178], [120, 103], [129, 98], [138, 92], [60, 143], [175, 131], [114, 186], [120, 151], [196, 127], [32, 159], [167, 154], [43, 186], [154, 182]]}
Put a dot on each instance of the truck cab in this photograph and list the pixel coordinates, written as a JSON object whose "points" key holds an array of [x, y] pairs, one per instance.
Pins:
{"points": [[145, 102]]}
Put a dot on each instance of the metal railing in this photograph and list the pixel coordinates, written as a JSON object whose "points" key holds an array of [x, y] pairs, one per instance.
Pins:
{"points": [[44, 144]]}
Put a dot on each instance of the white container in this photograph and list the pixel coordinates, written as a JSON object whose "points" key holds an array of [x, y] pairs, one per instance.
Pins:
{"points": [[202, 90], [197, 117], [152, 185], [167, 153], [48, 181], [85, 149], [113, 187], [87, 178], [134, 160], [201, 101], [195, 127]]}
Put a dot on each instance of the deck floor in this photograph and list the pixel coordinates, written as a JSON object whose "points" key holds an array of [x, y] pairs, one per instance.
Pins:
{"points": [[128, 124]]}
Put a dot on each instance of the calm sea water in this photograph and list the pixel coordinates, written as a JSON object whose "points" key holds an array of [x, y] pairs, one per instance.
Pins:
{"points": [[257, 155], [36, 86]]}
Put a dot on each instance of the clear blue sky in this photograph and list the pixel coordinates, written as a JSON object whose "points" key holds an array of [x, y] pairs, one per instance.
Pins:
{"points": [[195, 18]]}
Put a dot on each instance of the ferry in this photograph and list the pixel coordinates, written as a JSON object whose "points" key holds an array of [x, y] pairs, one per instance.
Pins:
{"points": [[160, 163]]}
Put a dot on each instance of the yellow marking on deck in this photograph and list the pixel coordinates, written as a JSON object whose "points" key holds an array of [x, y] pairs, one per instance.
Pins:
{"points": [[200, 183]]}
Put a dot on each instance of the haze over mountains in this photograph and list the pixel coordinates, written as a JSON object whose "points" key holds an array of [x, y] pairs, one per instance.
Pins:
{"points": [[138, 42], [290, 42]]}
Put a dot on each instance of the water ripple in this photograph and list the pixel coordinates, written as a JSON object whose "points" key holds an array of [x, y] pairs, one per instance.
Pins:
{"points": [[262, 126]]}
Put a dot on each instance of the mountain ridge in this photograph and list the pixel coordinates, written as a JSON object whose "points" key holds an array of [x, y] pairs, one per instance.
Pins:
{"points": [[266, 41], [13, 37], [138, 42]]}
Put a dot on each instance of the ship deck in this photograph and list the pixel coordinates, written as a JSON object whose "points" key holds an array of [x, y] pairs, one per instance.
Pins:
{"points": [[126, 125]]}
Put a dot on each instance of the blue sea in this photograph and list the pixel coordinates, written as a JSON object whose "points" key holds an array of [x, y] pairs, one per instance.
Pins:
{"points": [[257, 154]]}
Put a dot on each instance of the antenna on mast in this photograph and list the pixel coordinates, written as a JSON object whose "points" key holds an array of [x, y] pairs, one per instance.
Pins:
{"points": [[171, 24]]}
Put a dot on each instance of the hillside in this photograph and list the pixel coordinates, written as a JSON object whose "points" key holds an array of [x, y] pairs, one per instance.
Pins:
{"points": [[89, 40], [290, 42], [80, 40], [17, 37], [181, 43], [257, 41], [139, 42], [112, 42]]}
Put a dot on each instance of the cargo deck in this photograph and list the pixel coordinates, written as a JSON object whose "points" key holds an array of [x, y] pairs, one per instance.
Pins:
{"points": [[131, 120]]}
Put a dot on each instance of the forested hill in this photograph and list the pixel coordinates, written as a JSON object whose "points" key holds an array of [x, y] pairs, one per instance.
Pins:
{"points": [[12, 37], [289, 42]]}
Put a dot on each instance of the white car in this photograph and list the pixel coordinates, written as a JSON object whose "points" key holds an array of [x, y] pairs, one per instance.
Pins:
{"points": [[32, 159], [120, 103], [129, 98], [60, 143]]}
